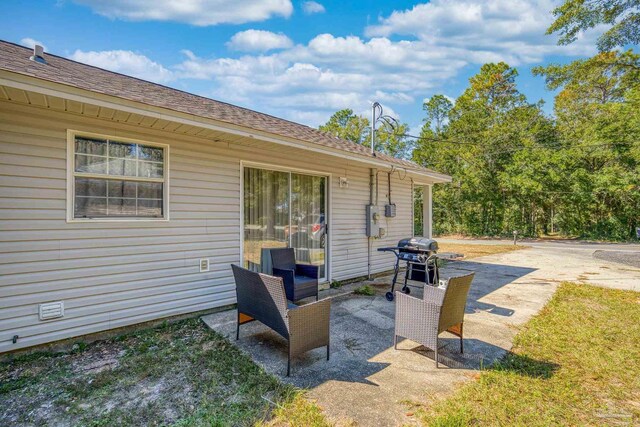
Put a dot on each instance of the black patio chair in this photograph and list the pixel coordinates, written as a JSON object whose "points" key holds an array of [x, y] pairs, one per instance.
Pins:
{"points": [[300, 280], [261, 297]]}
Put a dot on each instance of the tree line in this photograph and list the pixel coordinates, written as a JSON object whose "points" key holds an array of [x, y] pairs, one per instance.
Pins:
{"points": [[573, 173]]}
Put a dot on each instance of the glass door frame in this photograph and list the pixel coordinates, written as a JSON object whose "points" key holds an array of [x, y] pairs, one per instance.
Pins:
{"points": [[327, 198]]}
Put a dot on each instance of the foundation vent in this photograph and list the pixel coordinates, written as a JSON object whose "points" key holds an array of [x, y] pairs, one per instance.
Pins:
{"points": [[51, 310]]}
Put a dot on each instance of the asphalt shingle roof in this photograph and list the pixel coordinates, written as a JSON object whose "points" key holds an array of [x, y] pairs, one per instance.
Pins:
{"points": [[15, 58]]}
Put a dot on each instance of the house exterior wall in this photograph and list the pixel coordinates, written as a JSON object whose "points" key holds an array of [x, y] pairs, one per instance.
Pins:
{"points": [[113, 274]]}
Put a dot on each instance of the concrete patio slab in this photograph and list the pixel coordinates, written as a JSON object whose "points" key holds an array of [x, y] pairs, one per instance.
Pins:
{"points": [[369, 382]]}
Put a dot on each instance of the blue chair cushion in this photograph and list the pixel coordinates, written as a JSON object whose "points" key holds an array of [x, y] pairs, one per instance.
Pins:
{"points": [[304, 281]]}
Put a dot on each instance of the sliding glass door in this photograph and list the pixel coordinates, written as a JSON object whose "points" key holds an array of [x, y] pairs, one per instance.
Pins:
{"points": [[284, 209], [266, 213], [308, 227]]}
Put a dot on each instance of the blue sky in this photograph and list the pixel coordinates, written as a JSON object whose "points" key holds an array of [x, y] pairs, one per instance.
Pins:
{"points": [[301, 60]]}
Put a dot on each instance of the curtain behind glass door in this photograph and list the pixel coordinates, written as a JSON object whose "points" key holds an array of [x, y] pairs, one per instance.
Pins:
{"points": [[308, 228], [266, 213]]}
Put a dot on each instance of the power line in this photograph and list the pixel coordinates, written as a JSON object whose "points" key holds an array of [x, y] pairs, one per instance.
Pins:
{"points": [[506, 149], [500, 149], [556, 146], [450, 141]]}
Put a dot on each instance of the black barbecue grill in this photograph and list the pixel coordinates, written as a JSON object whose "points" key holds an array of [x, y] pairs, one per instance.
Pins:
{"points": [[419, 254]]}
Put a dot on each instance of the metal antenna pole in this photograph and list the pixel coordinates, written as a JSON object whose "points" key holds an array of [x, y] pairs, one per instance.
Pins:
{"points": [[373, 128]]}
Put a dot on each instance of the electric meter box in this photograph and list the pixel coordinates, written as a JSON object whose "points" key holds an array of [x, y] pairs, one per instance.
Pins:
{"points": [[390, 210], [373, 215]]}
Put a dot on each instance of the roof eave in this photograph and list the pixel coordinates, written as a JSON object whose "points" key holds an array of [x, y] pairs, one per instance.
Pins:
{"points": [[46, 87]]}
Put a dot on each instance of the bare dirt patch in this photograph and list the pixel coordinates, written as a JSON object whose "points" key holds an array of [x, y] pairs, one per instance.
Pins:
{"points": [[470, 250], [178, 373]]}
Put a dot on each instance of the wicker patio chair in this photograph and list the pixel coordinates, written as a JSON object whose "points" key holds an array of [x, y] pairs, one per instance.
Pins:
{"points": [[262, 297], [440, 310], [300, 280]]}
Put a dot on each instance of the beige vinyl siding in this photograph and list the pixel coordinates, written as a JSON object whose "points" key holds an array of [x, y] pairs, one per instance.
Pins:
{"points": [[113, 274]]}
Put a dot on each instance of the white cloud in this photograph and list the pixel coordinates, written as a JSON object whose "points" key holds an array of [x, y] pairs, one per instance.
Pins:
{"points": [[125, 62], [381, 55], [258, 40], [394, 97], [195, 12], [500, 30], [311, 7], [407, 56], [29, 42], [329, 73]]}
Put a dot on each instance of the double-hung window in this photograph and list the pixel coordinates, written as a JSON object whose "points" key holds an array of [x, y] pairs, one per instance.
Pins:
{"points": [[114, 178]]}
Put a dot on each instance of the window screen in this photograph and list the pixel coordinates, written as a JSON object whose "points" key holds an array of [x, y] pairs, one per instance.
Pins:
{"points": [[117, 179]]}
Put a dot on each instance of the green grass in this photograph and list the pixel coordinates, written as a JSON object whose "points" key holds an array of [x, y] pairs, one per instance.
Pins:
{"points": [[298, 412], [335, 284], [364, 290], [180, 373], [576, 363]]}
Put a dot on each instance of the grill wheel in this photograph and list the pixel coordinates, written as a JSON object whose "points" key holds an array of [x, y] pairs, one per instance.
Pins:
{"points": [[389, 295]]}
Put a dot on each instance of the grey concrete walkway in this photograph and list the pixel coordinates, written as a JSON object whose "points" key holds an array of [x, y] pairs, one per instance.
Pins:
{"points": [[369, 382], [546, 244], [587, 262]]}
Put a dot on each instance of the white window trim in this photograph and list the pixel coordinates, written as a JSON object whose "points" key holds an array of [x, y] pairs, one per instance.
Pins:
{"points": [[71, 136]]}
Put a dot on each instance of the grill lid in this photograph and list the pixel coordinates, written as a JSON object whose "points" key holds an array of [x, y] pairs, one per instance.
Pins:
{"points": [[418, 244]]}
